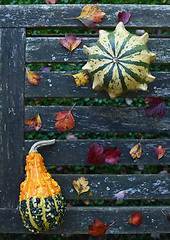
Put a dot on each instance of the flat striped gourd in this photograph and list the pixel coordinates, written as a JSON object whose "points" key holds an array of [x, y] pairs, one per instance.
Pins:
{"points": [[119, 62], [41, 204]]}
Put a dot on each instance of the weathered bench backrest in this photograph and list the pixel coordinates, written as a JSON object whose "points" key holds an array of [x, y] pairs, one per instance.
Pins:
{"points": [[17, 50]]}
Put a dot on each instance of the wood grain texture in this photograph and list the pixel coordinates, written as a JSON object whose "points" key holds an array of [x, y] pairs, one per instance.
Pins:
{"points": [[56, 84], [31, 16], [12, 43], [102, 119], [153, 220], [75, 152], [104, 187], [50, 50]]}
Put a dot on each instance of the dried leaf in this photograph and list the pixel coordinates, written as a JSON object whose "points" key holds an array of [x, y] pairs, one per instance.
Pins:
{"points": [[120, 195], [64, 120], [124, 17], [136, 151], [156, 107], [70, 42], [96, 156], [128, 101], [51, 1], [159, 152], [33, 78], [81, 78], [89, 16], [136, 218], [46, 68], [167, 215], [112, 156], [98, 229], [81, 185], [34, 122]]}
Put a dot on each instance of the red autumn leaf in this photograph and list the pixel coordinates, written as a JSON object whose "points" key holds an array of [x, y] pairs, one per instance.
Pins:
{"points": [[51, 1], [159, 152], [156, 107], [64, 120], [167, 215], [34, 122], [96, 156], [124, 17], [136, 218], [33, 78], [70, 42], [98, 229], [112, 156]]}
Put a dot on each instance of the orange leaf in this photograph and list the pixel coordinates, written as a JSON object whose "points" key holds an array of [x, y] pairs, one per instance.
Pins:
{"points": [[34, 122], [136, 151], [81, 185], [99, 228], [159, 152], [70, 42], [64, 120], [33, 78], [136, 218], [89, 16]]}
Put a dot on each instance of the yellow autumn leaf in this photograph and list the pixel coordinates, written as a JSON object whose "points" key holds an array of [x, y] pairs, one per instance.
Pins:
{"points": [[81, 78], [81, 185], [136, 151], [33, 78]]}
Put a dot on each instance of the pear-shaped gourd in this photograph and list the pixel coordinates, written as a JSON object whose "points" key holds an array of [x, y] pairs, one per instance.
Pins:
{"points": [[41, 204], [119, 62]]}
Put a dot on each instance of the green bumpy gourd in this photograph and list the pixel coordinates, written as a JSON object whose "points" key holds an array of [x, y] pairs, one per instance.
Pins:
{"points": [[119, 62]]}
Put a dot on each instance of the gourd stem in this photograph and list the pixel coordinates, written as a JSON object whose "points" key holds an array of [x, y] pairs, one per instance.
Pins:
{"points": [[36, 145]]}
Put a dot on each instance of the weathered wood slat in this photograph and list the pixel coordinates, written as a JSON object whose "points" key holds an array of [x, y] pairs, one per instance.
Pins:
{"points": [[50, 50], [50, 86], [31, 16], [102, 119], [104, 187], [153, 220], [12, 45], [76, 152]]}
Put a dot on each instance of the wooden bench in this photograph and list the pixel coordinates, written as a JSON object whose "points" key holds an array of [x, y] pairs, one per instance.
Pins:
{"points": [[16, 50]]}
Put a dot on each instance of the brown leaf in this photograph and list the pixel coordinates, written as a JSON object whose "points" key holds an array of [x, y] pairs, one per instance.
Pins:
{"points": [[33, 78], [99, 228], [70, 42], [64, 120], [159, 152], [81, 185], [34, 122], [136, 151], [136, 218]]}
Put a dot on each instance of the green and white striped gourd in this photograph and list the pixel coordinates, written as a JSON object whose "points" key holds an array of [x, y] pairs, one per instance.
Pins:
{"points": [[119, 62]]}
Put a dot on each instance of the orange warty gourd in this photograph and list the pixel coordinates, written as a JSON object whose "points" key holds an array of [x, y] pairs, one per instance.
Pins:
{"points": [[41, 204]]}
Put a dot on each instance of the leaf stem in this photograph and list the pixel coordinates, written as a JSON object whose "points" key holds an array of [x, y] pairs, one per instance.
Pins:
{"points": [[112, 223], [163, 213], [73, 107], [69, 18]]}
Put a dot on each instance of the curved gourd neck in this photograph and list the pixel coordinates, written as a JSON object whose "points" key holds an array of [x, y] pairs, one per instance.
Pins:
{"points": [[36, 145]]}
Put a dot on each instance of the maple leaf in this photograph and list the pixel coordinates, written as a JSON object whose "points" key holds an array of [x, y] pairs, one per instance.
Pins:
{"points": [[159, 152], [96, 156], [136, 151], [81, 185], [70, 42], [124, 17], [99, 228], [33, 78], [34, 122], [120, 195], [112, 156], [136, 218], [89, 16], [81, 78], [64, 120], [167, 215], [156, 107]]}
